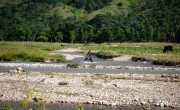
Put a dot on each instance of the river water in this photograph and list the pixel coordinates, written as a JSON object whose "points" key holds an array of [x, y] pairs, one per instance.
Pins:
{"points": [[67, 106], [35, 67]]}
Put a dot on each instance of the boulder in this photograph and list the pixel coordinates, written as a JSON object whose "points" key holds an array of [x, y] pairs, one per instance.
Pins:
{"points": [[19, 69]]}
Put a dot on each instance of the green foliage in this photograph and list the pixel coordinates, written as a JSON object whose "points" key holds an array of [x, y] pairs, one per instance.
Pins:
{"points": [[112, 21], [80, 108], [42, 38], [6, 107]]}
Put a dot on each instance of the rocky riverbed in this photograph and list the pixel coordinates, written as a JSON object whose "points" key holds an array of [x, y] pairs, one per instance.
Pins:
{"points": [[103, 89], [76, 65]]}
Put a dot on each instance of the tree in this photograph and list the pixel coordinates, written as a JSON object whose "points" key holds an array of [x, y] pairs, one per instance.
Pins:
{"points": [[150, 33], [59, 37], [120, 35], [42, 38], [72, 36]]}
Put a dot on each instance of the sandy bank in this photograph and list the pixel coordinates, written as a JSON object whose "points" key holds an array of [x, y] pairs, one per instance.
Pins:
{"points": [[69, 53], [105, 89]]}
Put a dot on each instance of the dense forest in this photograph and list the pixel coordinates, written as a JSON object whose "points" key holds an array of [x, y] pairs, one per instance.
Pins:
{"points": [[145, 21]]}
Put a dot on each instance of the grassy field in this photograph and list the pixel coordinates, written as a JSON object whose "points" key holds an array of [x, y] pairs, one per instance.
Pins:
{"points": [[152, 51], [39, 52], [29, 51]]}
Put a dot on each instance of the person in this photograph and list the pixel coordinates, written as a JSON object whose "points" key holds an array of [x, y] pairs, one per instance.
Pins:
{"points": [[88, 57]]}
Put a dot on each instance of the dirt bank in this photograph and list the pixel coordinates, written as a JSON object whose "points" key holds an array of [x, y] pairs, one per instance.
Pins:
{"points": [[105, 89]]}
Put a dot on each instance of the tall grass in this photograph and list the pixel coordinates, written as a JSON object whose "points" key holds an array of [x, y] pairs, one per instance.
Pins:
{"points": [[29, 51]]}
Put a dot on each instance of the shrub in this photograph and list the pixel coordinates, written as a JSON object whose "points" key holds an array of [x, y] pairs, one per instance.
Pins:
{"points": [[80, 108], [89, 82], [6, 107]]}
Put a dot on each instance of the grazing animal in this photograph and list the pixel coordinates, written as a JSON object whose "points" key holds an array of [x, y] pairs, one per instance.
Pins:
{"points": [[168, 48]]}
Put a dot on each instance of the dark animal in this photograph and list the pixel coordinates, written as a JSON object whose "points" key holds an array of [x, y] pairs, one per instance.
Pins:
{"points": [[168, 48]]}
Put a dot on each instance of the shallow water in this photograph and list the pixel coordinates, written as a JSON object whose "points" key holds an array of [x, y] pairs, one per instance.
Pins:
{"points": [[90, 70], [69, 106], [97, 61]]}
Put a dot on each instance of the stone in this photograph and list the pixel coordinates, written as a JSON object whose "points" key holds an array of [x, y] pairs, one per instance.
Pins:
{"points": [[115, 85], [19, 69], [162, 104]]}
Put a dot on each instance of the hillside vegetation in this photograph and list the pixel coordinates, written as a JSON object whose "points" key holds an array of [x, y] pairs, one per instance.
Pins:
{"points": [[84, 21]]}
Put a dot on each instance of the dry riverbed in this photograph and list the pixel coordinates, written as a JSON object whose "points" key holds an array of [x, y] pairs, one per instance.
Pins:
{"points": [[105, 89]]}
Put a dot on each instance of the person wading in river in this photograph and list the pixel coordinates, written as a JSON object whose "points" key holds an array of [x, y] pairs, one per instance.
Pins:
{"points": [[88, 57]]}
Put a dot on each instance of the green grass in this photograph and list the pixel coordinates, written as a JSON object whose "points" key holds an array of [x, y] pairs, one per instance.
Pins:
{"points": [[38, 52], [29, 51], [68, 11], [112, 9], [152, 51]]}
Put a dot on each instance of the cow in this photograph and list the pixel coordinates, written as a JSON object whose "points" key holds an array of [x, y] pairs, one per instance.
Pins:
{"points": [[168, 48]]}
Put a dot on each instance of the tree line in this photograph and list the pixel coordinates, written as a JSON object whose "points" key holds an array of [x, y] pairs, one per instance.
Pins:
{"points": [[154, 21]]}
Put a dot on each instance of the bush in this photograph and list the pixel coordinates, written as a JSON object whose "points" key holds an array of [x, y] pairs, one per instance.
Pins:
{"points": [[6, 107], [80, 108]]}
